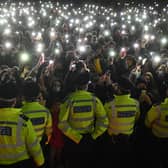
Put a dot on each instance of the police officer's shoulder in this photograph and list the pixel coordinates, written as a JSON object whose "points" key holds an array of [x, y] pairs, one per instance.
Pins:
{"points": [[24, 117]]}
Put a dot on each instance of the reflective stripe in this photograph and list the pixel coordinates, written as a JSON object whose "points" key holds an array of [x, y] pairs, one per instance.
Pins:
{"points": [[164, 108], [12, 156], [33, 144], [35, 111], [121, 124], [126, 105], [82, 119], [102, 117], [63, 122], [101, 124], [119, 131], [8, 123], [86, 128], [79, 101], [19, 141]]}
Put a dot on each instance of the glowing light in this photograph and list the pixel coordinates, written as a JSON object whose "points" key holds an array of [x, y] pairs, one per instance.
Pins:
{"points": [[51, 62], [57, 51], [123, 49], [136, 45], [52, 34], [146, 27], [8, 45], [152, 37], [157, 59], [40, 47], [133, 28], [140, 58], [82, 48], [101, 25], [146, 36], [24, 57], [164, 41], [7, 31], [106, 33], [112, 53]]}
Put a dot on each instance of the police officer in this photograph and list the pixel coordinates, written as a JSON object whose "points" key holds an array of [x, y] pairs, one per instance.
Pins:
{"points": [[38, 114], [82, 119], [157, 121], [122, 113], [18, 141]]}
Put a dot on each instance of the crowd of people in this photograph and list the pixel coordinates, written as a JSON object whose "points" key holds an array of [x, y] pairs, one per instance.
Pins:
{"points": [[83, 86]]}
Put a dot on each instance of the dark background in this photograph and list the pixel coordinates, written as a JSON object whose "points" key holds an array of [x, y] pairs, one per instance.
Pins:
{"points": [[100, 2]]}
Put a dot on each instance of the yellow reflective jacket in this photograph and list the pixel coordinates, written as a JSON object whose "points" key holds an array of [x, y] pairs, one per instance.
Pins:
{"points": [[122, 113], [40, 118], [18, 140], [157, 119], [82, 113]]}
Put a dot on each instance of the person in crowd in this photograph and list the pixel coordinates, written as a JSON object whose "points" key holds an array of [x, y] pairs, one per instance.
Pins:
{"points": [[19, 144]]}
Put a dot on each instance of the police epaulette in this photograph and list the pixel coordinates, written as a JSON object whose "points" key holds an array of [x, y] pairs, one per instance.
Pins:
{"points": [[24, 117]]}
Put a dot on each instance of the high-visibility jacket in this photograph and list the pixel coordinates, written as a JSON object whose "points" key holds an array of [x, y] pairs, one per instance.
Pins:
{"points": [[82, 113], [18, 140], [157, 119], [122, 113], [40, 118]]}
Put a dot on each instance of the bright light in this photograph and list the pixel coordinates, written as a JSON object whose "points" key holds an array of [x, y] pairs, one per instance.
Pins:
{"points": [[24, 57], [157, 59], [66, 36], [7, 31], [146, 36], [123, 26], [112, 53], [77, 21], [106, 33], [40, 47], [133, 28], [140, 58], [8, 45], [33, 34], [51, 62], [123, 49], [152, 37], [164, 41], [136, 45], [146, 28], [52, 34], [82, 48], [102, 26], [57, 51]]}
